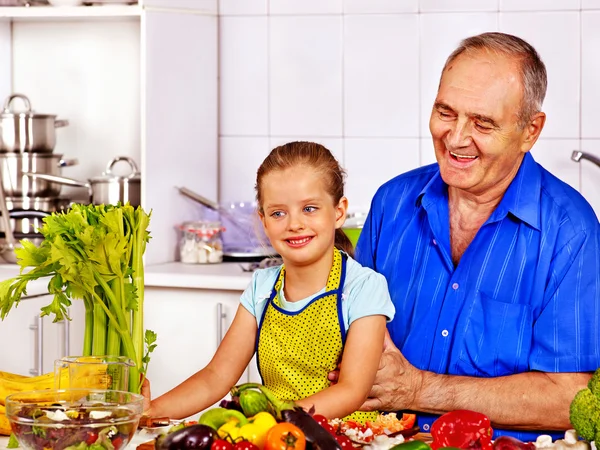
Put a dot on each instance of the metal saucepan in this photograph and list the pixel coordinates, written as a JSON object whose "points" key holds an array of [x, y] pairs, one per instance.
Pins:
{"points": [[108, 188], [27, 131], [14, 165], [44, 204]]}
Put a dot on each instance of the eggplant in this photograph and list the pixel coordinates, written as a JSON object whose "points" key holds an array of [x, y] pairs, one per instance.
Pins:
{"points": [[317, 437], [194, 437]]}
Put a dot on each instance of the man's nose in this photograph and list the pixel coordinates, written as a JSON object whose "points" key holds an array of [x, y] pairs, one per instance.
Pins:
{"points": [[459, 134]]}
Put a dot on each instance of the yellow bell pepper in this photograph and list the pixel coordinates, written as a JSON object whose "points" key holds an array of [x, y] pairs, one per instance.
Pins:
{"points": [[230, 428], [256, 429]]}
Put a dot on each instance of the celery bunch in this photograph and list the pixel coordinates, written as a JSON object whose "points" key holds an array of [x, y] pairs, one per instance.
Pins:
{"points": [[93, 253]]}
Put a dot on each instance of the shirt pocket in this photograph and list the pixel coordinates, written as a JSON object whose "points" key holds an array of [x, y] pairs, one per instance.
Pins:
{"points": [[497, 338]]}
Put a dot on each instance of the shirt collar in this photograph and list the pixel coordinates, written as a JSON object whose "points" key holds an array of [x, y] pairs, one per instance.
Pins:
{"points": [[521, 199]]}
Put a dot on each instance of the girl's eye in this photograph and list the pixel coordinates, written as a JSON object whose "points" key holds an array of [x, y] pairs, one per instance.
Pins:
{"points": [[310, 209], [277, 214]]}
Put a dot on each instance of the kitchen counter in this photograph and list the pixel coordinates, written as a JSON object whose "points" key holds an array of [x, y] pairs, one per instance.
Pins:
{"points": [[223, 276]]}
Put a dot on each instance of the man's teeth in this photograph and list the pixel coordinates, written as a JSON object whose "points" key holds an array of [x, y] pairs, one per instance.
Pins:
{"points": [[298, 241], [456, 155]]}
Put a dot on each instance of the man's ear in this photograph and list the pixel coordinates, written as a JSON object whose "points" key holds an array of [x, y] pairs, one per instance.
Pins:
{"points": [[341, 211], [532, 131]]}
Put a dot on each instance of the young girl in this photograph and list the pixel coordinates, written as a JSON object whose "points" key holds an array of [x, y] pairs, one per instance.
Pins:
{"points": [[301, 318]]}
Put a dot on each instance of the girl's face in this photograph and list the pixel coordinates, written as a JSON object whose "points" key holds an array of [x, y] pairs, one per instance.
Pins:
{"points": [[299, 215]]}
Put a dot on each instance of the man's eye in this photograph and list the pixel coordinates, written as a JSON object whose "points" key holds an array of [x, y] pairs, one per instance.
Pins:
{"points": [[482, 127], [445, 115]]}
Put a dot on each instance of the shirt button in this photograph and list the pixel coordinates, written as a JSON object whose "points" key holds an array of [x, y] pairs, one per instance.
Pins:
{"points": [[455, 286], [426, 427], [434, 242], [445, 333]]}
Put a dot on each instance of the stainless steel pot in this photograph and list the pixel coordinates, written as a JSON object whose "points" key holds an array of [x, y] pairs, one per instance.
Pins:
{"points": [[44, 204], [14, 165], [27, 131], [108, 188]]}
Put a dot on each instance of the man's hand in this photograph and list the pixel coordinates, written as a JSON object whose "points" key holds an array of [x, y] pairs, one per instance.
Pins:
{"points": [[397, 382]]}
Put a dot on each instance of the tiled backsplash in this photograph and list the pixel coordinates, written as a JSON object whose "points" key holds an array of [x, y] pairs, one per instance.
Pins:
{"points": [[360, 76]]}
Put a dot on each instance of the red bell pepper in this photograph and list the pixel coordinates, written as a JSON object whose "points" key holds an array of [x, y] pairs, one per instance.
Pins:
{"points": [[464, 429]]}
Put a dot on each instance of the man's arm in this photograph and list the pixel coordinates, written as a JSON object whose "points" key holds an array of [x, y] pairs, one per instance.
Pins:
{"points": [[531, 401]]}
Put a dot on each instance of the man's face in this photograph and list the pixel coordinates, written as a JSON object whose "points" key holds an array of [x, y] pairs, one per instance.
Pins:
{"points": [[474, 122]]}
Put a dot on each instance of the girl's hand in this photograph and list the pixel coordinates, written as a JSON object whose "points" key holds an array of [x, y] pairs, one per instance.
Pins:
{"points": [[145, 391]]}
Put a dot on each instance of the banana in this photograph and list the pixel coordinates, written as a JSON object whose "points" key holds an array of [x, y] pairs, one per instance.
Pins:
{"points": [[4, 425], [95, 377]]}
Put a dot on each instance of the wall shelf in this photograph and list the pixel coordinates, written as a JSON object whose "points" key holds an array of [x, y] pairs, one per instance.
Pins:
{"points": [[67, 12]]}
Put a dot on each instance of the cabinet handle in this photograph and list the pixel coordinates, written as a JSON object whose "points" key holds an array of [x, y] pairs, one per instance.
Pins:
{"points": [[220, 317], [38, 327]]}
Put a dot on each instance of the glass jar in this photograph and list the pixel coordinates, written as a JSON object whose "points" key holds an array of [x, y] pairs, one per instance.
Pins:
{"points": [[210, 243], [201, 242]]}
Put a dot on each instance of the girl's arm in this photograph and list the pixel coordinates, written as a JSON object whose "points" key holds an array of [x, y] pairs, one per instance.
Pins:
{"points": [[360, 361], [211, 384]]}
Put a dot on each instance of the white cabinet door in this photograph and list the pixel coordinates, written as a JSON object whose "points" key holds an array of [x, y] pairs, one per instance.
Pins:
{"points": [[31, 343], [189, 324]]}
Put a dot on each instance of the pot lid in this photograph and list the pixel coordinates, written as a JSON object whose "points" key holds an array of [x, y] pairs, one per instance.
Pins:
{"points": [[108, 175], [8, 112]]}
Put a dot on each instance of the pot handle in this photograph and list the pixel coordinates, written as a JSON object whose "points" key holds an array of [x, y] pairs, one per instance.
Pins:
{"points": [[56, 179], [10, 98], [68, 162], [134, 168], [61, 123]]}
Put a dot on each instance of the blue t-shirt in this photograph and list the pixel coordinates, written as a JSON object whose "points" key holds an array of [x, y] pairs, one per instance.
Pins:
{"points": [[365, 293], [525, 295]]}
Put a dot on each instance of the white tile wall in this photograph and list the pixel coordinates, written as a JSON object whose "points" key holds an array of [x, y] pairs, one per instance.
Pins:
{"points": [[380, 6], [590, 173], [305, 69], [556, 37], [590, 74], [244, 102], [360, 77], [371, 162], [539, 5], [458, 5], [380, 98]]}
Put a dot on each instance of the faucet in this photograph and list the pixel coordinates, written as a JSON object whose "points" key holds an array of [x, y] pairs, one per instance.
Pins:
{"points": [[578, 155]]}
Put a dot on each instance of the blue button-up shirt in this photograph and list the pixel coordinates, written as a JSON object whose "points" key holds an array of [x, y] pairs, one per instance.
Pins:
{"points": [[524, 296]]}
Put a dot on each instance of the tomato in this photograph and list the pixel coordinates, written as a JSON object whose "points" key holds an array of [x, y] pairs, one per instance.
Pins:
{"points": [[408, 420], [356, 426], [221, 444], [285, 436], [245, 445], [344, 441], [117, 442], [92, 437]]}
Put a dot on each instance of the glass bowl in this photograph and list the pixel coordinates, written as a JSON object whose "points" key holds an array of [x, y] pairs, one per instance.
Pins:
{"points": [[74, 418]]}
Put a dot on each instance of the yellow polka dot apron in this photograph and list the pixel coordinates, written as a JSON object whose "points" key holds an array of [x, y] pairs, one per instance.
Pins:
{"points": [[297, 349]]}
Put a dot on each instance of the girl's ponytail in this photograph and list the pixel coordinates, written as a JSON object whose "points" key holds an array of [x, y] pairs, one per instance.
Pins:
{"points": [[342, 242]]}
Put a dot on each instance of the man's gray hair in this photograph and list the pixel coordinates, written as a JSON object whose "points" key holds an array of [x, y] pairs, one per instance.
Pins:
{"points": [[533, 70]]}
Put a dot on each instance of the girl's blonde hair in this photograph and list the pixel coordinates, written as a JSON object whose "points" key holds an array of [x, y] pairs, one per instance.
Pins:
{"points": [[312, 155]]}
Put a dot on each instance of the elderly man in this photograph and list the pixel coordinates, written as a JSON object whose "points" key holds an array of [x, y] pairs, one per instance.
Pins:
{"points": [[492, 262]]}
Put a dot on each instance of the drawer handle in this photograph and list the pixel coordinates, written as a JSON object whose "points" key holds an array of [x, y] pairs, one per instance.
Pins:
{"points": [[38, 327]]}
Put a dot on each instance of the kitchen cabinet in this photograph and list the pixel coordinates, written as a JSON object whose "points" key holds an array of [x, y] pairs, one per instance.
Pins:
{"points": [[190, 323], [31, 344], [133, 80]]}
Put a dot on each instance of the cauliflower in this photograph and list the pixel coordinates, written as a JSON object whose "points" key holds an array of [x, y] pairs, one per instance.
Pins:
{"points": [[585, 410]]}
